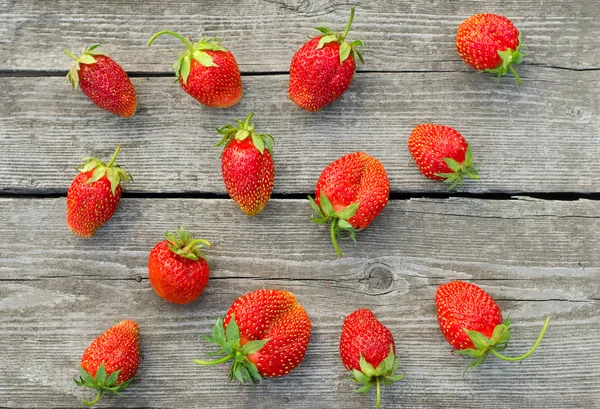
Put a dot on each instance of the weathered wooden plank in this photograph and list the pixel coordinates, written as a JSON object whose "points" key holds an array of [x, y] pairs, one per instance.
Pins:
{"points": [[542, 137], [407, 35], [58, 292]]}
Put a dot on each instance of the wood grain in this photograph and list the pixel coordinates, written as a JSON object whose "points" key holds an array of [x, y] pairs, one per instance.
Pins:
{"points": [[542, 137], [58, 292], [407, 35]]}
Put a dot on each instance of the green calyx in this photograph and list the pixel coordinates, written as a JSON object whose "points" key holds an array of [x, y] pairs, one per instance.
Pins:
{"points": [[340, 227], [195, 51], [245, 129], [229, 341], [346, 48], [385, 374], [498, 342], [182, 243], [113, 172], [101, 382], [86, 58], [509, 58], [460, 170]]}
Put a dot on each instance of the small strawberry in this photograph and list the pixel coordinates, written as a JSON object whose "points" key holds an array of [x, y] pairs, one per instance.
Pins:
{"points": [[490, 43], [104, 82], [350, 193], [265, 332], [207, 71], [247, 167], [441, 153], [323, 68], [471, 321], [94, 195], [177, 269], [111, 361], [367, 349]]}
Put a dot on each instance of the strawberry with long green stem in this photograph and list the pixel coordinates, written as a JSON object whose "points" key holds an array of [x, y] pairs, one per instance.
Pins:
{"points": [[207, 71]]}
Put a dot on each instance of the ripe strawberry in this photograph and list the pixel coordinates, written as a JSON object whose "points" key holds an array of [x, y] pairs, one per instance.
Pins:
{"points": [[323, 68], [350, 193], [265, 332], [472, 322], [111, 361], [103, 81], [490, 43], [207, 71], [247, 167], [367, 349], [94, 194], [177, 269], [441, 153]]}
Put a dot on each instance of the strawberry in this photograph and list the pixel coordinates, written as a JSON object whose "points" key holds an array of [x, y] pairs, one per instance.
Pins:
{"points": [[490, 43], [177, 269], [94, 194], [350, 193], [323, 68], [247, 167], [104, 82], [441, 153], [207, 71], [367, 350], [471, 321], [265, 332], [111, 361]]}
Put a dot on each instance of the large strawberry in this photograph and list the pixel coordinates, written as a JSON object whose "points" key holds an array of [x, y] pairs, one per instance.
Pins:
{"points": [[94, 194], [111, 361], [350, 193], [323, 68], [177, 269], [247, 165], [265, 332], [207, 71], [103, 81], [490, 43], [367, 349], [441, 153], [471, 321]]}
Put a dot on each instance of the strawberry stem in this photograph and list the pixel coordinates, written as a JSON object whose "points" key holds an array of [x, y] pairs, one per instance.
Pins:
{"points": [[378, 401], [114, 157], [525, 355], [216, 361], [349, 23], [190, 246], [510, 67], [96, 399], [70, 54], [332, 230], [179, 36]]}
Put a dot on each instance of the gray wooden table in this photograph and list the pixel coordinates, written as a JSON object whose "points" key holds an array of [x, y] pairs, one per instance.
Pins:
{"points": [[527, 233]]}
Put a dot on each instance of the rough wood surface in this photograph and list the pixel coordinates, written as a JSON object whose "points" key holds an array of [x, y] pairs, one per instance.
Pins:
{"points": [[542, 137], [533, 256], [263, 35]]}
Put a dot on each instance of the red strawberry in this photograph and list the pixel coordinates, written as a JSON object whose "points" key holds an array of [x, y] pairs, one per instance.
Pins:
{"points": [[367, 349], [265, 332], [350, 193], [177, 269], [323, 68], [208, 72], [441, 153], [247, 167], [490, 43], [111, 361], [471, 321], [103, 81], [94, 195]]}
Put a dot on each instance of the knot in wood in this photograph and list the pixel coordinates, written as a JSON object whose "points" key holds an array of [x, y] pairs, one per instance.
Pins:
{"points": [[378, 277]]}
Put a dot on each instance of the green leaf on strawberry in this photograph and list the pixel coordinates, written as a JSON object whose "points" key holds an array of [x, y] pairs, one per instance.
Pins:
{"points": [[346, 48]]}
